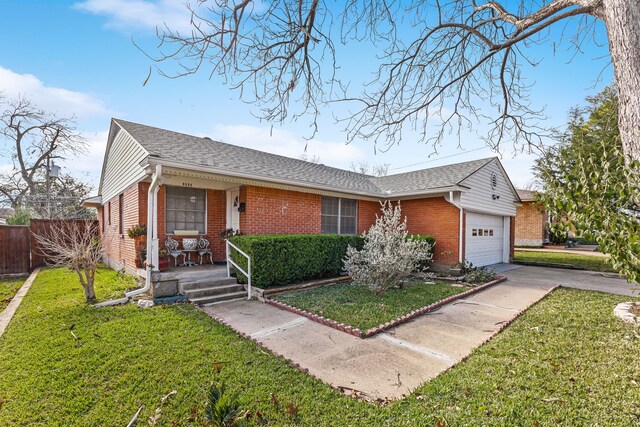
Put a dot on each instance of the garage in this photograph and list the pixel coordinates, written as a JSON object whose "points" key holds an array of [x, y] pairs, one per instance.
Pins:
{"points": [[484, 239]]}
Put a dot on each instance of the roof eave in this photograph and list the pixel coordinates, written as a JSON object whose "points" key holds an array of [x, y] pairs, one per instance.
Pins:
{"points": [[92, 202], [151, 160], [427, 192]]}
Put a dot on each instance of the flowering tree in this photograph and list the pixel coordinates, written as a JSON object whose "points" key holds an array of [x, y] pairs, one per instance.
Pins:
{"points": [[388, 255]]}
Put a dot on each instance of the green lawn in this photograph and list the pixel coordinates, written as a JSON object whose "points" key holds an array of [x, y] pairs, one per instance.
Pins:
{"points": [[587, 262], [8, 288], [357, 306], [567, 361]]}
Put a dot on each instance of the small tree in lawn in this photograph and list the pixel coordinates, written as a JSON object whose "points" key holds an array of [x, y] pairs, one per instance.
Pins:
{"points": [[387, 256], [75, 245]]}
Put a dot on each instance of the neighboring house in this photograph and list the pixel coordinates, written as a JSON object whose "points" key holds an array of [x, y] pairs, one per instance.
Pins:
{"points": [[531, 221], [208, 186]]}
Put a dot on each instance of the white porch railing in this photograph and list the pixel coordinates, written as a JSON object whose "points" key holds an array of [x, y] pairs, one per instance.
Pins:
{"points": [[231, 262]]}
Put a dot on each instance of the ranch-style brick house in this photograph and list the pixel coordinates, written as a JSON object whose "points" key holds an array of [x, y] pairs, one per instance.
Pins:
{"points": [[172, 181], [531, 221]]}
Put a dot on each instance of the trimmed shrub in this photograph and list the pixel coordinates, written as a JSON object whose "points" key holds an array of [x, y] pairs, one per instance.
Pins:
{"points": [[288, 258], [431, 241]]}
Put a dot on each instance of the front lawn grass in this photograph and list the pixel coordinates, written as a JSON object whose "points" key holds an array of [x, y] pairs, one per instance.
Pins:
{"points": [[357, 306], [8, 289], [567, 361], [587, 262]]}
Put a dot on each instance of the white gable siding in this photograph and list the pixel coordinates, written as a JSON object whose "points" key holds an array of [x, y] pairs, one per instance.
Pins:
{"points": [[479, 196], [123, 165]]}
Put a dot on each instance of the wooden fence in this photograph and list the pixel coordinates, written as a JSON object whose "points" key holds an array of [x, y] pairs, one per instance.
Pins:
{"points": [[15, 249], [19, 252]]}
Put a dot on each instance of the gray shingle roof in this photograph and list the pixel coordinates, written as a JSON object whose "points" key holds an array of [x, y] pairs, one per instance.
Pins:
{"points": [[432, 178], [526, 195], [205, 152]]}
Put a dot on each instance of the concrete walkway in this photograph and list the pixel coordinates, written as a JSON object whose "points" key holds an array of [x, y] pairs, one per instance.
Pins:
{"points": [[393, 363], [7, 314], [579, 279]]}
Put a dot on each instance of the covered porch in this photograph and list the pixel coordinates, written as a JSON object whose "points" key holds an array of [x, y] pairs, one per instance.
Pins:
{"points": [[187, 216]]}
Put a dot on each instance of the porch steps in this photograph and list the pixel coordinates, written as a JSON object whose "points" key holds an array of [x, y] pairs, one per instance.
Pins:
{"points": [[212, 299], [212, 291]]}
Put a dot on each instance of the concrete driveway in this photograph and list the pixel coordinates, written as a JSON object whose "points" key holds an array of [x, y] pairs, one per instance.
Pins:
{"points": [[579, 279], [391, 364]]}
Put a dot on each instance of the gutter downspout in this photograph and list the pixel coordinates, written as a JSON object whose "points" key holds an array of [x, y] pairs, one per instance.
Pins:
{"points": [[152, 230], [460, 231]]}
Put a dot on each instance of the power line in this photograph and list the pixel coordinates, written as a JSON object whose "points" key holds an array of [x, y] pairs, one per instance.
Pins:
{"points": [[435, 160]]}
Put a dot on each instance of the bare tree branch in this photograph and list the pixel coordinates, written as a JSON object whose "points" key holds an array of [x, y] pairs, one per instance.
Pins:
{"points": [[75, 245], [29, 137], [454, 65]]}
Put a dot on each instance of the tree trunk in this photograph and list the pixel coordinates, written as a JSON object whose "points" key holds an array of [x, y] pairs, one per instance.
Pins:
{"points": [[89, 293], [622, 19]]}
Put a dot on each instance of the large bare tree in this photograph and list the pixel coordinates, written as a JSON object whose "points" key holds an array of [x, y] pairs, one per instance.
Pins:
{"points": [[31, 139], [465, 56]]}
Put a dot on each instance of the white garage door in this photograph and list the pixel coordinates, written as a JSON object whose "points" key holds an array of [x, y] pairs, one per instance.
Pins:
{"points": [[484, 239]]}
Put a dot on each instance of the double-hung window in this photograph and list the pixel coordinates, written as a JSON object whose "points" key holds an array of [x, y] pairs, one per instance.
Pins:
{"points": [[185, 209], [339, 216]]}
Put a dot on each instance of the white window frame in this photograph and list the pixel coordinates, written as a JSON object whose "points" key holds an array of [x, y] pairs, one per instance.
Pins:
{"points": [[206, 213], [340, 199]]}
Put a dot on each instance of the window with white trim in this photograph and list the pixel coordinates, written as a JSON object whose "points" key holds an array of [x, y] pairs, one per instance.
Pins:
{"points": [[185, 209], [339, 216]]}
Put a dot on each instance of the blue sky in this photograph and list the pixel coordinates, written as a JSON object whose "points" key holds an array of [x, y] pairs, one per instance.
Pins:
{"points": [[77, 57]]}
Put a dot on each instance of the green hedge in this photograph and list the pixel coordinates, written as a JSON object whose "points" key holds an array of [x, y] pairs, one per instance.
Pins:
{"points": [[424, 238], [432, 242], [289, 258]]}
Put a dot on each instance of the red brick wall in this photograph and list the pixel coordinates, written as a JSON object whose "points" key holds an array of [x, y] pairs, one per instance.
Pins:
{"points": [[274, 211], [119, 248], [512, 237], [367, 215], [529, 224], [216, 221], [437, 217]]}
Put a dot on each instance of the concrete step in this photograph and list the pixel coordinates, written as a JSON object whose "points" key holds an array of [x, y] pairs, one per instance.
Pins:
{"points": [[223, 302], [211, 299], [213, 290], [187, 285]]}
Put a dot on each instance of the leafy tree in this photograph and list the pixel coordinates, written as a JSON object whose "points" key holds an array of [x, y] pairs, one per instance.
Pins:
{"points": [[20, 217], [467, 56], [387, 256], [589, 186], [31, 138]]}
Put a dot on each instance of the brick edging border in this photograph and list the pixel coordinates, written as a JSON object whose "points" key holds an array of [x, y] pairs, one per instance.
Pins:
{"points": [[357, 332]]}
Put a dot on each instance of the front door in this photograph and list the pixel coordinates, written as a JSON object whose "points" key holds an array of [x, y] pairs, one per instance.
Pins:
{"points": [[233, 215]]}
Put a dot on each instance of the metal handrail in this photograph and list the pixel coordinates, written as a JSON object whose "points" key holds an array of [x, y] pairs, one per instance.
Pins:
{"points": [[230, 261]]}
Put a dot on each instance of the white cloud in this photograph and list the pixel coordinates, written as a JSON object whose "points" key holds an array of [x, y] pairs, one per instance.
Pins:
{"points": [[64, 102], [88, 167], [285, 143], [141, 14]]}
